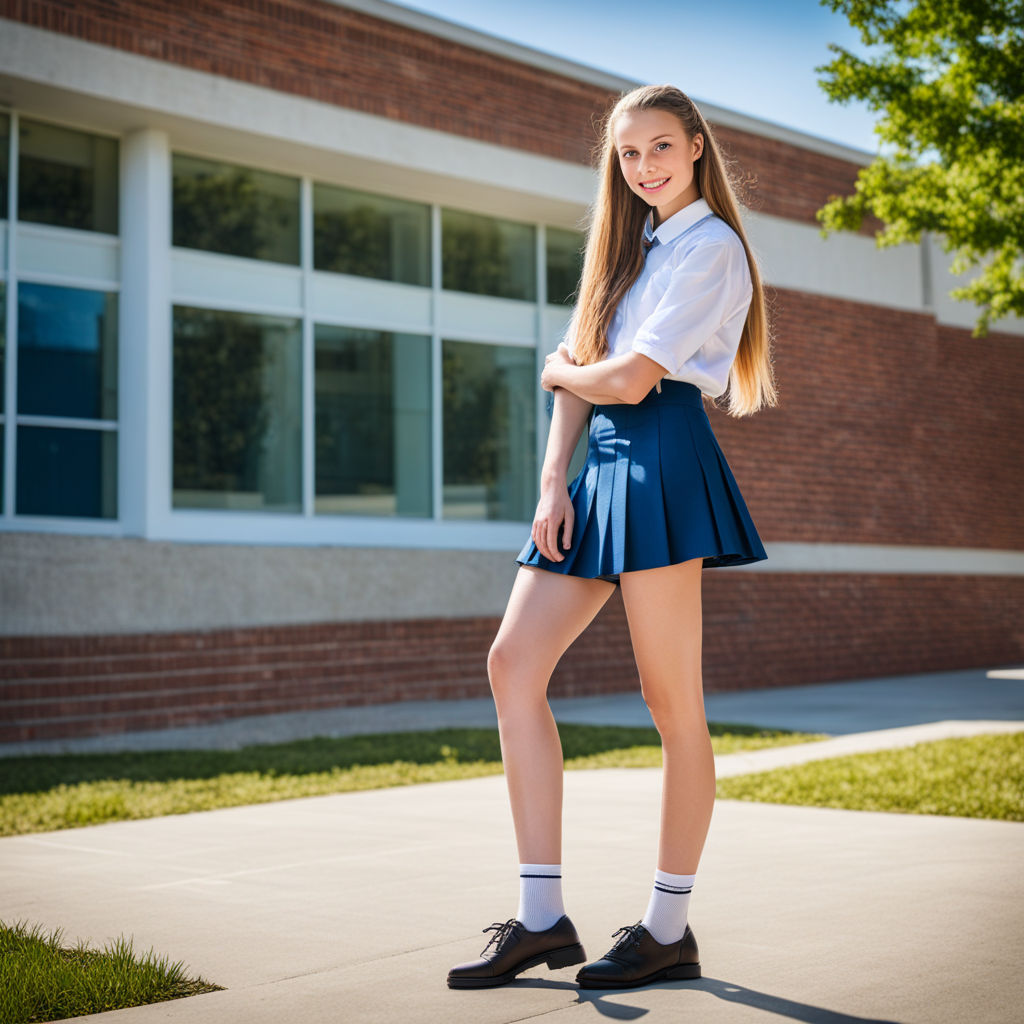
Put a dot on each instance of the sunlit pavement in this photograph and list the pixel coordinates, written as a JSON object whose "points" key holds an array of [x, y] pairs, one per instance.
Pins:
{"points": [[352, 907]]}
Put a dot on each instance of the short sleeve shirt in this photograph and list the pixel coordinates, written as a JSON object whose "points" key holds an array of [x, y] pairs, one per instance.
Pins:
{"points": [[687, 308]]}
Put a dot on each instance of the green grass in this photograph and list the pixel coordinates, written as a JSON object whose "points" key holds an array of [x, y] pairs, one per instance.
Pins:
{"points": [[974, 777], [46, 793], [41, 980]]}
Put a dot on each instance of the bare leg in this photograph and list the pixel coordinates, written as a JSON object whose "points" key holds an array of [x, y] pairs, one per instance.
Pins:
{"points": [[546, 612], [663, 607]]}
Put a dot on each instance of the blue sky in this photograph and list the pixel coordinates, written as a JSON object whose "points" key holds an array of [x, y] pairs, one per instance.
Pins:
{"points": [[754, 56]]}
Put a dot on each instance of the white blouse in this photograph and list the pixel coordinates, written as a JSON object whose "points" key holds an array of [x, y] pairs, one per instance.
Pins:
{"points": [[687, 308]]}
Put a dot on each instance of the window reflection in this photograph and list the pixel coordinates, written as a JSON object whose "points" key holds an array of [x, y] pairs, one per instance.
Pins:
{"points": [[373, 451], [239, 211], [67, 178], [66, 472], [3, 348], [5, 135], [237, 411], [371, 236], [564, 256], [487, 256], [67, 352], [489, 431]]}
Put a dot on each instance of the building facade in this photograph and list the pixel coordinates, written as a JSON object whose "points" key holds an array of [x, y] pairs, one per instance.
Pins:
{"points": [[278, 278]]}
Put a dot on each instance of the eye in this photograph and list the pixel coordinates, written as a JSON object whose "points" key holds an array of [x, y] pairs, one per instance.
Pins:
{"points": [[628, 152], [665, 144]]}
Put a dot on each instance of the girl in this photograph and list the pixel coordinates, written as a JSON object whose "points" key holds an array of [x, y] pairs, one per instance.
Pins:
{"points": [[670, 309]]}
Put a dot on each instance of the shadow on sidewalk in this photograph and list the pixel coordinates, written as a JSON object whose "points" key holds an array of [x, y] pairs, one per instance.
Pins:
{"points": [[724, 990]]}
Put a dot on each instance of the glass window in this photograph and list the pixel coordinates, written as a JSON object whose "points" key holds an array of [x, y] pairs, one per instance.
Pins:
{"points": [[489, 431], [67, 352], [487, 256], [240, 211], [237, 411], [372, 423], [564, 265], [67, 178], [66, 472], [3, 348], [369, 235], [5, 135]]}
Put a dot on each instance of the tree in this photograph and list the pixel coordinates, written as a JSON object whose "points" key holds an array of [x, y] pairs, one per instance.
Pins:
{"points": [[947, 77]]}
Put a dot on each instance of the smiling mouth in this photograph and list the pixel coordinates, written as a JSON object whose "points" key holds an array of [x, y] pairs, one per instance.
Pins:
{"points": [[653, 186]]}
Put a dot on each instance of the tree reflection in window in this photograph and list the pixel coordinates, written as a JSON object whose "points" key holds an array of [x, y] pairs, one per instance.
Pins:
{"points": [[486, 256], [489, 431], [564, 251], [371, 236], [237, 410], [239, 211], [67, 178]]}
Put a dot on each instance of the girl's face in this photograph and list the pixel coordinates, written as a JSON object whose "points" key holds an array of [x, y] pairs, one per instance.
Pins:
{"points": [[656, 158]]}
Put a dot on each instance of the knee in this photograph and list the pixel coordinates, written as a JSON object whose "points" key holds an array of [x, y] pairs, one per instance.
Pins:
{"points": [[500, 668], [517, 683], [499, 659], [675, 715]]}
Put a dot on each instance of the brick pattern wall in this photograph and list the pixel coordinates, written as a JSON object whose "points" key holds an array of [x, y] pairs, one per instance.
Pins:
{"points": [[344, 57], [759, 630], [890, 429]]}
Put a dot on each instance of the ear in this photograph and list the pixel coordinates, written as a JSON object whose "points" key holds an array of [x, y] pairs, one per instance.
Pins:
{"points": [[698, 145]]}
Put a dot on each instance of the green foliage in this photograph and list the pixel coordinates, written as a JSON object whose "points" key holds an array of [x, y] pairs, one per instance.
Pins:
{"points": [[41, 980], [975, 777], [947, 77]]}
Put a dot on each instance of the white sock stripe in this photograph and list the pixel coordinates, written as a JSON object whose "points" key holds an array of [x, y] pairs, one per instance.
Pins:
{"points": [[677, 891], [523, 875]]}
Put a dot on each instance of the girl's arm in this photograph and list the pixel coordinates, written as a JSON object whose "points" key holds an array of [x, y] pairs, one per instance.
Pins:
{"points": [[554, 509], [622, 380]]}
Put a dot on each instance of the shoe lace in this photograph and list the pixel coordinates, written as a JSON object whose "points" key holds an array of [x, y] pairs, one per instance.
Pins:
{"points": [[503, 932], [631, 936]]}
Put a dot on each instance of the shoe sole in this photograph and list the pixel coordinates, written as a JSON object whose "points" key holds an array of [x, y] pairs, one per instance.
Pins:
{"points": [[681, 972], [567, 956]]}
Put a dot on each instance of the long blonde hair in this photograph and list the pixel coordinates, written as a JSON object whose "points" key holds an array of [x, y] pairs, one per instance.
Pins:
{"points": [[614, 258]]}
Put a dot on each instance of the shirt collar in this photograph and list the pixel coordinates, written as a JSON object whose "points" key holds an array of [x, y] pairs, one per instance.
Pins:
{"points": [[677, 223]]}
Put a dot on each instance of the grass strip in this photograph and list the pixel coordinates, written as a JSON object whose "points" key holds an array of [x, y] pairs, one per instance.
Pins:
{"points": [[47, 793], [972, 777], [41, 980]]}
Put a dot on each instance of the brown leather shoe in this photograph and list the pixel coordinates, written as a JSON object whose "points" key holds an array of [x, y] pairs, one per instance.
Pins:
{"points": [[637, 959], [516, 950]]}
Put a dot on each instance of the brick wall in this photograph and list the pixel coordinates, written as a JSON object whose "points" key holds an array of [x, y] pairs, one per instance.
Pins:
{"points": [[889, 430], [759, 630], [350, 59]]}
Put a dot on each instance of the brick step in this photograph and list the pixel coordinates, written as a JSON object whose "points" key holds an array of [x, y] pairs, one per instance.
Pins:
{"points": [[238, 689], [367, 671], [46, 669], [147, 719], [27, 648], [367, 665]]}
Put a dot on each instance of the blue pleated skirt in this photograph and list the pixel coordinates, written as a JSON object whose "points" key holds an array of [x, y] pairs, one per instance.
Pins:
{"points": [[655, 490]]}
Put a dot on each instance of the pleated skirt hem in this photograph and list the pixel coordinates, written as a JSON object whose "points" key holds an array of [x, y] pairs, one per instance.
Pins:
{"points": [[655, 490]]}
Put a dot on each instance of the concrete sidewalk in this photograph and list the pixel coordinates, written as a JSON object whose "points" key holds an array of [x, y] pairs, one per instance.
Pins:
{"points": [[352, 907]]}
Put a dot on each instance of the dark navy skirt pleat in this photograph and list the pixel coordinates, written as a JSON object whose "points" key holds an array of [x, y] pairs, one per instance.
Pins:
{"points": [[655, 490]]}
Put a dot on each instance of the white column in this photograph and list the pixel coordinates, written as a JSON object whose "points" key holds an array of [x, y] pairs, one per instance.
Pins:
{"points": [[144, 381]]}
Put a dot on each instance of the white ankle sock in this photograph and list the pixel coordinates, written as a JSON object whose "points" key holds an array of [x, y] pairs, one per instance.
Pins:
{"points": [[540, 896], [666, 913]]}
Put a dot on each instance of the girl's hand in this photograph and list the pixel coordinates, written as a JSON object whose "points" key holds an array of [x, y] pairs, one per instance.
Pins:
{"points": [[560, 357], [554, 512]]}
